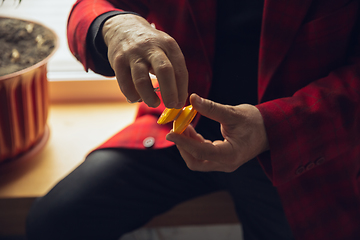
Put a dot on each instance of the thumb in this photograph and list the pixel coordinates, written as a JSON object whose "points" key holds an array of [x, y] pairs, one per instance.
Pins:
{"points": [[210, 109]]}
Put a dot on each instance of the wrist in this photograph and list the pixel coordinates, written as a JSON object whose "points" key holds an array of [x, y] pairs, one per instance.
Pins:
{"points": [[264, 143], [124, 20]]}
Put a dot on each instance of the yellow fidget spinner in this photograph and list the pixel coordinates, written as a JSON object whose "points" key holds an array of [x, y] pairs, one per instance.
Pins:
{"points": [[181, 117]]}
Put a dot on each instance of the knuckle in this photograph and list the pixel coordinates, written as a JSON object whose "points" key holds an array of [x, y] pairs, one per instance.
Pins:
{"points": [[137, 47], [172, 48], [137, 61], [170, 42], [118, 59], [145, 41], [141, 81], [211, 107], [232, 109], [198, 155], [164, 66]]}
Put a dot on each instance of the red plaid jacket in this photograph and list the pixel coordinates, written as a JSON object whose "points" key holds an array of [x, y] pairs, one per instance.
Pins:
{"points": [[309, 97]]}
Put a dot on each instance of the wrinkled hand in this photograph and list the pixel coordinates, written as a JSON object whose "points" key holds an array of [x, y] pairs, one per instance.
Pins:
{"points": [[135, 48], [244, 137]]}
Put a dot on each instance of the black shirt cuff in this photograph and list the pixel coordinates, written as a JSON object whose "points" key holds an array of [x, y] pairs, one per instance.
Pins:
{"points": [[96, 45]]}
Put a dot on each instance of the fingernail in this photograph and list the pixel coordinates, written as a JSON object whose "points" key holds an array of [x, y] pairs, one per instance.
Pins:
{"points": [[154, 105], [168, 137], [197, 98]]}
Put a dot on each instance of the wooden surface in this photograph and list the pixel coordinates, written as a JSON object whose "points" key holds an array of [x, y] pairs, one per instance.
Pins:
{"points": [[75, 129], [85, 91]]}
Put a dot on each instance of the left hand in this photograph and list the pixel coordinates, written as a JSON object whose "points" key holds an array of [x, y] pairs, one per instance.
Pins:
{"points": [[244, 135], [135, 48]]}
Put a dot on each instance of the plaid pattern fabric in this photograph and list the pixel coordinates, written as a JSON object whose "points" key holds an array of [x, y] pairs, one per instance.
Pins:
{"points": [[309, 96]]}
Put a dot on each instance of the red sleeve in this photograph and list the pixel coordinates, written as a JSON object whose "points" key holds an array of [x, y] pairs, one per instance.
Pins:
{"points": [[83, 13]]}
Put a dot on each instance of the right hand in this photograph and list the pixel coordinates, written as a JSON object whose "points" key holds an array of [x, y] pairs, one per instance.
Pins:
{"points": [[244, 133], [135, 48]]}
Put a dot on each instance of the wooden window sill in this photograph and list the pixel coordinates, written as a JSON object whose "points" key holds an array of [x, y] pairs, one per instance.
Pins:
{"points": [[69, 91]]}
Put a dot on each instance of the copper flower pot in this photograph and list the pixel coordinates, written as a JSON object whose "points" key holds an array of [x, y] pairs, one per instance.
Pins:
{"points": [[24, 105]]}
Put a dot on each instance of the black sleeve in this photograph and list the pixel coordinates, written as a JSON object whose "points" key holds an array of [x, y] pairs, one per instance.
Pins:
{"points": [[96, 45]]}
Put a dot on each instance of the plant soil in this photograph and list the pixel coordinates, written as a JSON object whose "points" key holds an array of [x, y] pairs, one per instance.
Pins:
{"points": [[23, 44]]}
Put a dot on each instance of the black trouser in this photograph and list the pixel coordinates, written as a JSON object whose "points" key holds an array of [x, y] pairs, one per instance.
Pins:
{"points": [[116, 191]]}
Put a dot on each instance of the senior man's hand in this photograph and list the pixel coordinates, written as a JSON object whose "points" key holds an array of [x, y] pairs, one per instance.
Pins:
{"points": [[135, 48], [244, 137]]}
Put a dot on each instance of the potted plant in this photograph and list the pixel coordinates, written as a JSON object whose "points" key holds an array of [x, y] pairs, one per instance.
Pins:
{"points": [[25, 49]]}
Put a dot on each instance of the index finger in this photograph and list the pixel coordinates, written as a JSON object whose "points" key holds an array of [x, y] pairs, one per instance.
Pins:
{"points": [[171, 72], [181, 74]]}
